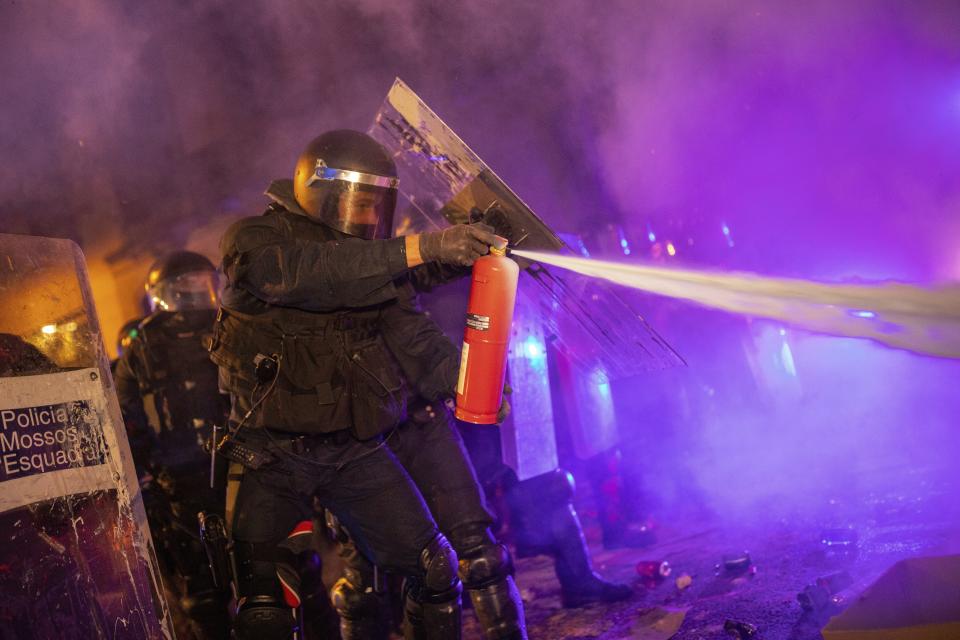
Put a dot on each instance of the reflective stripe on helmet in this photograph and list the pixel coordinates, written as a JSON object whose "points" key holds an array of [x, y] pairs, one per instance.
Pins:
{"points": [[323, 172]]}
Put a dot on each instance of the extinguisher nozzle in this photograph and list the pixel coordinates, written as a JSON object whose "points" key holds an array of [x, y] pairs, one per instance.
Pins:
{"points": [[500, 248]]}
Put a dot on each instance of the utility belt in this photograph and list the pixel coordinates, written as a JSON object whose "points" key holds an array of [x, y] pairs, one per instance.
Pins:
{"points": [[254, 450], [302, 444]]}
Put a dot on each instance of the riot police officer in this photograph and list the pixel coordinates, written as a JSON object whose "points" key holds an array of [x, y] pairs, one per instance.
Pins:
{"points": [[168, 391], [310, 303]]}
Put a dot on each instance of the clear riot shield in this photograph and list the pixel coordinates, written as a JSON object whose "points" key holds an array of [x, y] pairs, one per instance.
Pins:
{"points": [[443, 182], [76, 559]]}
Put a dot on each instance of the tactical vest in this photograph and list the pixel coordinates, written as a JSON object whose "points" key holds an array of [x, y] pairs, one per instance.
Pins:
{"points": [[334, 371], [178, 383]]}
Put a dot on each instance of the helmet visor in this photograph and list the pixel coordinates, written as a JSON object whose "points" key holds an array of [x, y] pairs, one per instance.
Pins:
{"points": [[191, 290], [360, 210], [356, 203]]}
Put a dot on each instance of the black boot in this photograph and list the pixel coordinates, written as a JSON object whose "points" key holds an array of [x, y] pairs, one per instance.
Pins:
{"points": [[579, 585], [547, 523], [424, 620], [499, 610], [361, 611]]}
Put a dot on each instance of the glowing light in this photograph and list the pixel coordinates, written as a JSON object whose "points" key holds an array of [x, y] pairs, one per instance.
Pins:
{"points": [[671, 250], [783, 332], [603, 384], [863, 314], [623, 242], [49, 329], [652, 237], [786, 355], [533, 347], [726, 232]]}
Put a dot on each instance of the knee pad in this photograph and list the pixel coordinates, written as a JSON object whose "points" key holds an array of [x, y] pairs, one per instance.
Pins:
{"points": [[264, 618], [438, 561], [485, 565]]}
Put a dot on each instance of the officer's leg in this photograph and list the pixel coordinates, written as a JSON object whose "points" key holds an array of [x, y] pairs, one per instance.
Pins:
{"points": [[160, 518], [266, 513], [546, 522], [605, 474], [432, 601], [383, 510], [355, 595], [433, 453], [202, 602]]}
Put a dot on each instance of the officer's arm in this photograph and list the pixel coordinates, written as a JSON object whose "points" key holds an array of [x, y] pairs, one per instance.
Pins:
{"points": [[314, 275], [430, 275], [139, 432], [427, 357]]}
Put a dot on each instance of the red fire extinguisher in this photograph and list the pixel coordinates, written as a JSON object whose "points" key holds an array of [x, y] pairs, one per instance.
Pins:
{"points": [[483, 362]]}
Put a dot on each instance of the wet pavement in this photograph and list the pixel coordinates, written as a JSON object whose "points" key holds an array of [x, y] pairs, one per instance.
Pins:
{"points": [[909, 516]]}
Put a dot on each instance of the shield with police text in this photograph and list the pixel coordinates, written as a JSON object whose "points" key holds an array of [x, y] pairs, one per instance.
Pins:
{"points": [[76, 558]]}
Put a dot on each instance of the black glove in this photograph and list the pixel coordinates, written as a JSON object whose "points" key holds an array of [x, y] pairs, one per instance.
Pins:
{"points": [[494, 217], [458, 245]]}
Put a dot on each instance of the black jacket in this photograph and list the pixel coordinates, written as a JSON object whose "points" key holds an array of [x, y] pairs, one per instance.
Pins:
{"points": [[167, 387], [341, 316]]}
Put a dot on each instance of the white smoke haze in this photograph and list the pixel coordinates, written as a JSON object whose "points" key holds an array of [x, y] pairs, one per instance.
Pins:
{"points": [[923, 320]]}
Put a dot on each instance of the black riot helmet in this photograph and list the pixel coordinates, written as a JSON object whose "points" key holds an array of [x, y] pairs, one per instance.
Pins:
{"points": [[347, 181], [182, 280]]}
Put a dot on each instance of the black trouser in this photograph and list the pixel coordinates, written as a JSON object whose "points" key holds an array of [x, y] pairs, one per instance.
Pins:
{"points": [[362, 483], [432, 451], [172, 503]]}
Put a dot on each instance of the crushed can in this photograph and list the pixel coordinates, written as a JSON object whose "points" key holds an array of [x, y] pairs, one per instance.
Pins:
{"points": [[736, 564], [821, 594], [653, 572]]}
